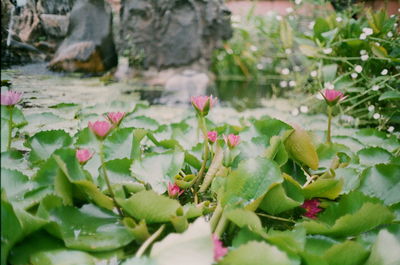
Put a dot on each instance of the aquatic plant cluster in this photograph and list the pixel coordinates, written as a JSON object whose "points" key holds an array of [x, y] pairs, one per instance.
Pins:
{"points": [[123, 189], [355, 51]]}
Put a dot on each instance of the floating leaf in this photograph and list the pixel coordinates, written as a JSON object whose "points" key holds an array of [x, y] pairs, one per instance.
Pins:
{"points": [[199, 249], [158, 169], [256, 253], [384, 251], [276, 201], [89, 228], [43, 144], [373, 155], [242, 217], [382, 181], [301, 148], [349, 253], [150, 206], [250, 182]]}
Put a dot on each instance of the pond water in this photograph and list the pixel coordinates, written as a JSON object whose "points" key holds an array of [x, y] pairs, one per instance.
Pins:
{"points": [[44, 89]]}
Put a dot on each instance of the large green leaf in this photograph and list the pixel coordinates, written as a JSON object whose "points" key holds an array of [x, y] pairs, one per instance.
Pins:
{"points": [[353, 214], [382, 181], [373, 155], [390, 95], [242, 217], [4, 134], [195, 241], [43, 144], [17, 116], [158, 169], [16, 185], [256, 253], [276, 200], [347, 253], [124, 143], [250, 182], [62, 257], [373, 137], [89, 228], [385, 250], [150, 206]]}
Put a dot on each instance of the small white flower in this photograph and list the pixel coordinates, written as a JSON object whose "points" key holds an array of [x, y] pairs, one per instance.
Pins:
{"points": [[375, 88], [260, 66], [339, 19], [314, 73], [377, 44], [363, 36], [392, 16], [253, 48], [297, 2], [289, 10], [358, 68], [376, 116], [285, 71], [362, 52], [371, 108], [327, 50], [303, 109], [329, 85], [311, 25], [368, 31], [288, 51], [395, 25], [295, 112], [354, 75], [390, 129], [229, 51], [364, 57], [297, 68], [389, 34], [278, 17], [319, 96], [384, 72], [292, 83], [283, 84]]}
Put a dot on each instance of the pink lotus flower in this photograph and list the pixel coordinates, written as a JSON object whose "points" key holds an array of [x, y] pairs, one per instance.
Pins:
{"points": [[332, 96], [100, 128], [311, 207], [202, 104], [219, 249], [212, 136], [83, 155], [174, 191], [10, 98], [232, 140], [115, 117]]}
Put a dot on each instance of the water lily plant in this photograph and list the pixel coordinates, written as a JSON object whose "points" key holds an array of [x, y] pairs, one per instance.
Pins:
{"points": [[10, 99], [332, 98]]}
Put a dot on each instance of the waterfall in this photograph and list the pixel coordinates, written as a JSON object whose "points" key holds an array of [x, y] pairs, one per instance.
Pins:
{"points": [[10, 25]]}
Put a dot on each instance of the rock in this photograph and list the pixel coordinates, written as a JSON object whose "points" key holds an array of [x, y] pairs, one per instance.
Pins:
{"points": [[56, 7], [89, 45], [173, 33], [55, 25]]}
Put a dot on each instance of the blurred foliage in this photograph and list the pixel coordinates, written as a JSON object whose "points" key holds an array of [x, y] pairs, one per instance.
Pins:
{"points": [[356, 51]]}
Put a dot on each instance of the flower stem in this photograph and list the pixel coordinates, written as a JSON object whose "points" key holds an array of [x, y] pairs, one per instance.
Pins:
{"points": [[10, 127], [206, 151], [110, 190], [328, 133], [215, 217], [276, 218], [150, 240]]}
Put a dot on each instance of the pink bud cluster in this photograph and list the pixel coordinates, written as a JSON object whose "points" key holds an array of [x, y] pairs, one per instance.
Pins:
{"points": [[102, 128], [311, 207]]}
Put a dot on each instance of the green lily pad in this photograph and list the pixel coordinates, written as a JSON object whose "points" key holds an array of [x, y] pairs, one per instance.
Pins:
{"points": [[374, 155], [150, 206], [382, 181], [158, 169], [384, 251], [242, 217], [249, 183]]}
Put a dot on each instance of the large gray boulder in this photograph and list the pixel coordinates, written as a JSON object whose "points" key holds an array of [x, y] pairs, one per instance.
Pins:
{"points": [[173, 33], [89, 45]]}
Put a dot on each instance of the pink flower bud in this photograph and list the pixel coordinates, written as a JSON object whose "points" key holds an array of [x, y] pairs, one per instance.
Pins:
{"points": [[212, 136], [332, 96], [83, 155], [219, 249], [311, 207], [174, 191], [232, 140], [100, 128], [115, 117], [10, 98], [202, 104]]}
